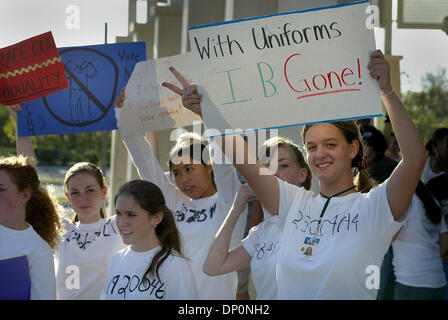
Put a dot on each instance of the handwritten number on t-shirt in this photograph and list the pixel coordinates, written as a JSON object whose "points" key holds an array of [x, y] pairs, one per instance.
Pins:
{"points": [[126, 284], [194, 215], [267, 249], [83, 239], [337, 224]]}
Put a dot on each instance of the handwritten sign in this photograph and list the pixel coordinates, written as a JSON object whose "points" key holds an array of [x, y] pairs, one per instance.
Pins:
{"points": [[30, 69], [96, 75], [286, 69], [150, 107]]}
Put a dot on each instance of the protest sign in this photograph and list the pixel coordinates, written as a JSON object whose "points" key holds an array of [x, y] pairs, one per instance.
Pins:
{"points": [[96, 74], [15, 279], [286, 69], [30, 69], [148, 105]]}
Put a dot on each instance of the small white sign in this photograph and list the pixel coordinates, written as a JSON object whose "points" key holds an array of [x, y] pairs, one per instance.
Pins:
{"points": [[148, 105]]}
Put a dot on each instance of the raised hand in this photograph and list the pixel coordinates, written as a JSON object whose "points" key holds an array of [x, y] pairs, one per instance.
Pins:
{"points": [[13, 109], [120, 99], [241, 198], [380, 71], [191, 99]]}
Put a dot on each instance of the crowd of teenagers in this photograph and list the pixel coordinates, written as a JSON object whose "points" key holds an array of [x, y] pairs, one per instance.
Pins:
{"points": [[185, 234]]}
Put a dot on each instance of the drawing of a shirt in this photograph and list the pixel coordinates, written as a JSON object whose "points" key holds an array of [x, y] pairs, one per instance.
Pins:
{"points": [[80, 104]]}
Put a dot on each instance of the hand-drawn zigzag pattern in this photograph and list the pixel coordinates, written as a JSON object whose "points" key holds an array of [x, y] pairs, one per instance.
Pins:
{"points": [[30, 67]]}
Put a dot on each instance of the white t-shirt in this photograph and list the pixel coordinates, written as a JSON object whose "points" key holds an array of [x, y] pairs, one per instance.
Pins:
{"points": [[428, 173], [198, 220], [355, 233], [124, 279], [15, 243], [263, 244], [417, 261], [83, 258]]}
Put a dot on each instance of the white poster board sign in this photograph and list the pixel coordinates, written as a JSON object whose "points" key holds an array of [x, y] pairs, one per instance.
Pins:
{"points": [[286, 69], [149, 106]]}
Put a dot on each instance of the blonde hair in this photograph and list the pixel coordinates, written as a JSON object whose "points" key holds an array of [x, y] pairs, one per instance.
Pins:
{"points": [[294, 149]]}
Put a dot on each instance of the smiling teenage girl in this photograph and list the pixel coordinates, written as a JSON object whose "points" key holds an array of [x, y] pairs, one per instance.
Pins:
{"points": [[351, 229]]}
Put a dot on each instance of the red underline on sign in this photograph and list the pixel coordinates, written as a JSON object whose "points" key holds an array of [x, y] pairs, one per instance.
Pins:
{"points": [[321, 93]]}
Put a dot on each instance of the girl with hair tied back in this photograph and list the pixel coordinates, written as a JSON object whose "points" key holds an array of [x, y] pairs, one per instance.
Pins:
{"points": [[152, 266]]}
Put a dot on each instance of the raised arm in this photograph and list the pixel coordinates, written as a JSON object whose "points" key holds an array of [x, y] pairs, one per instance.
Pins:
{"points": [[403, 181], [265, 186], [220, 259], [24, 145]]}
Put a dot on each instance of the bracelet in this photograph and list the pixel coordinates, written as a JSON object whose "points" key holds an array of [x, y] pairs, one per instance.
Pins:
{"points": [[389, 93]]}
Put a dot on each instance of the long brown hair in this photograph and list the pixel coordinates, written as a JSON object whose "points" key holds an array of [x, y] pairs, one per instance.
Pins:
{"points": [[151, 199], [42, 209], [294, 149], [90, 168], [351, 132]]}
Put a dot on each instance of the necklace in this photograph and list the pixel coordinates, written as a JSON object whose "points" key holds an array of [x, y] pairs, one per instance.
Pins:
{"points": [[327, 203]]}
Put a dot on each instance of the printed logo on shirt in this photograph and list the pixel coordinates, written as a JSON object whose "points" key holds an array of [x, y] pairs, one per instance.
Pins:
{"points": [[84, 239], [338, 223], [268, 249], [123, 285], [191, 215]]}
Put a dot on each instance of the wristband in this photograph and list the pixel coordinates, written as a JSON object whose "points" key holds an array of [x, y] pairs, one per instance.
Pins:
{"points": [[389, 93]]}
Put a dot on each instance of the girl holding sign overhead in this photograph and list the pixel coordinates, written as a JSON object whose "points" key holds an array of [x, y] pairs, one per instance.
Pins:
{"points": [[349, 225], [91, 239], [200, 199]]}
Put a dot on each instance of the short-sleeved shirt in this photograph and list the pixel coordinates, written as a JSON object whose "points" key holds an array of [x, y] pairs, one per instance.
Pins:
{"points": [[263, 244], [417, 261], [355, 233], [125, 278], [83, 258]]}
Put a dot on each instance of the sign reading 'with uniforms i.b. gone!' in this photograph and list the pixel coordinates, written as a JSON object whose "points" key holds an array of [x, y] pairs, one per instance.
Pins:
{"points": [[287, 69]]}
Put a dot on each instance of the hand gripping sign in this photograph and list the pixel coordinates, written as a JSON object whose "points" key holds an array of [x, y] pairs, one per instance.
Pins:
{"points": [[30, 69]]}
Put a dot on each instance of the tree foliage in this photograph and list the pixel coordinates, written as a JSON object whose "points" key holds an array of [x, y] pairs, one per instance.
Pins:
{"points": [[58, 149], [429, 107]]}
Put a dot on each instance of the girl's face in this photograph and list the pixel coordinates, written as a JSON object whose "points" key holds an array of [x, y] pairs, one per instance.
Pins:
{"points": [[11, 199], [329, 153], [194, 180], [137, 227], [86, 196], [288, 169]]}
